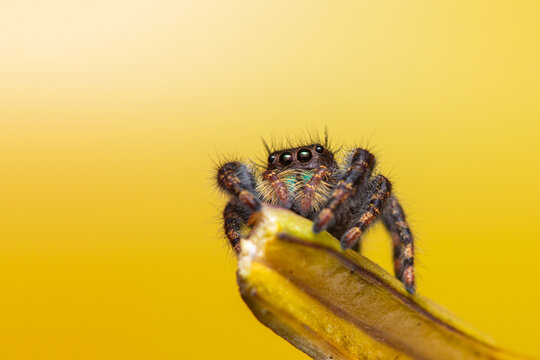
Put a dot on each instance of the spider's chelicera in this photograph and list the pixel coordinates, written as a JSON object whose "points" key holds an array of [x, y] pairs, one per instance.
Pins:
{"points": [[343, 199]]}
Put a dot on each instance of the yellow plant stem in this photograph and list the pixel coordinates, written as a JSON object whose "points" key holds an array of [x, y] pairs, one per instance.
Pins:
{"points": [[335, 304]]}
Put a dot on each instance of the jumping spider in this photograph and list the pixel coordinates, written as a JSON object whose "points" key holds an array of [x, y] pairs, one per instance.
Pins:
{"points": [[341, 199]]}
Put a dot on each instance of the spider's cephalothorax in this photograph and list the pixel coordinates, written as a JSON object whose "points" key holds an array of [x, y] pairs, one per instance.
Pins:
{"points": [[343, 199]]}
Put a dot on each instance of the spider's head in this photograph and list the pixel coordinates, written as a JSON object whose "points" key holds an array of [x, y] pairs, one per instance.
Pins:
{"points": [[308, 157]]}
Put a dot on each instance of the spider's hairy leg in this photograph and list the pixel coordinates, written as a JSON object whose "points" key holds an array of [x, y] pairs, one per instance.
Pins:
{"points": [[380, 193], [308, 194], [403, 243], [279, 187], [235, 216], [360, 167], [239, 181]]}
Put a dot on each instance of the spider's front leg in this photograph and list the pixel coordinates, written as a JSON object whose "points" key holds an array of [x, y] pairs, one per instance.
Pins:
{"points": [[360, 167], [380, 192], [235, 216], [239, 181], [403, 242]]}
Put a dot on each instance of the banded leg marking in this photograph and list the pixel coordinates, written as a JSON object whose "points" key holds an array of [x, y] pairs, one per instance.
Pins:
{"points": [[380, 194], [361, 165], [234, 217], [403, 243], [228, 178]]}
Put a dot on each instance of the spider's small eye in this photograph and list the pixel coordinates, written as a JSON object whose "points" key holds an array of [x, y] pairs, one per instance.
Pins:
{"points": [[271, 158], [319, 149], [304, 155], [286, 159]]}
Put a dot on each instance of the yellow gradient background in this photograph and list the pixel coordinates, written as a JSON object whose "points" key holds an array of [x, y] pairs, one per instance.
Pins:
{"points": [[111, 113]]}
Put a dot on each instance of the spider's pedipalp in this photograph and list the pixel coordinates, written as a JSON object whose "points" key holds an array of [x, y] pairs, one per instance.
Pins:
{"points": [[277, 188], [308, 197]]}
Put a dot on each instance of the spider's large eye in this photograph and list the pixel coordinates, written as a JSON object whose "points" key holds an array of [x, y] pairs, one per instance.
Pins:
{"points": [[304, 155], [286, 159], [271, 158], [319, 149]]}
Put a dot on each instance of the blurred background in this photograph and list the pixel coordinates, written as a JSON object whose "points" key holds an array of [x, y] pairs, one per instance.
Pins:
{"points": [[111, 113]]}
